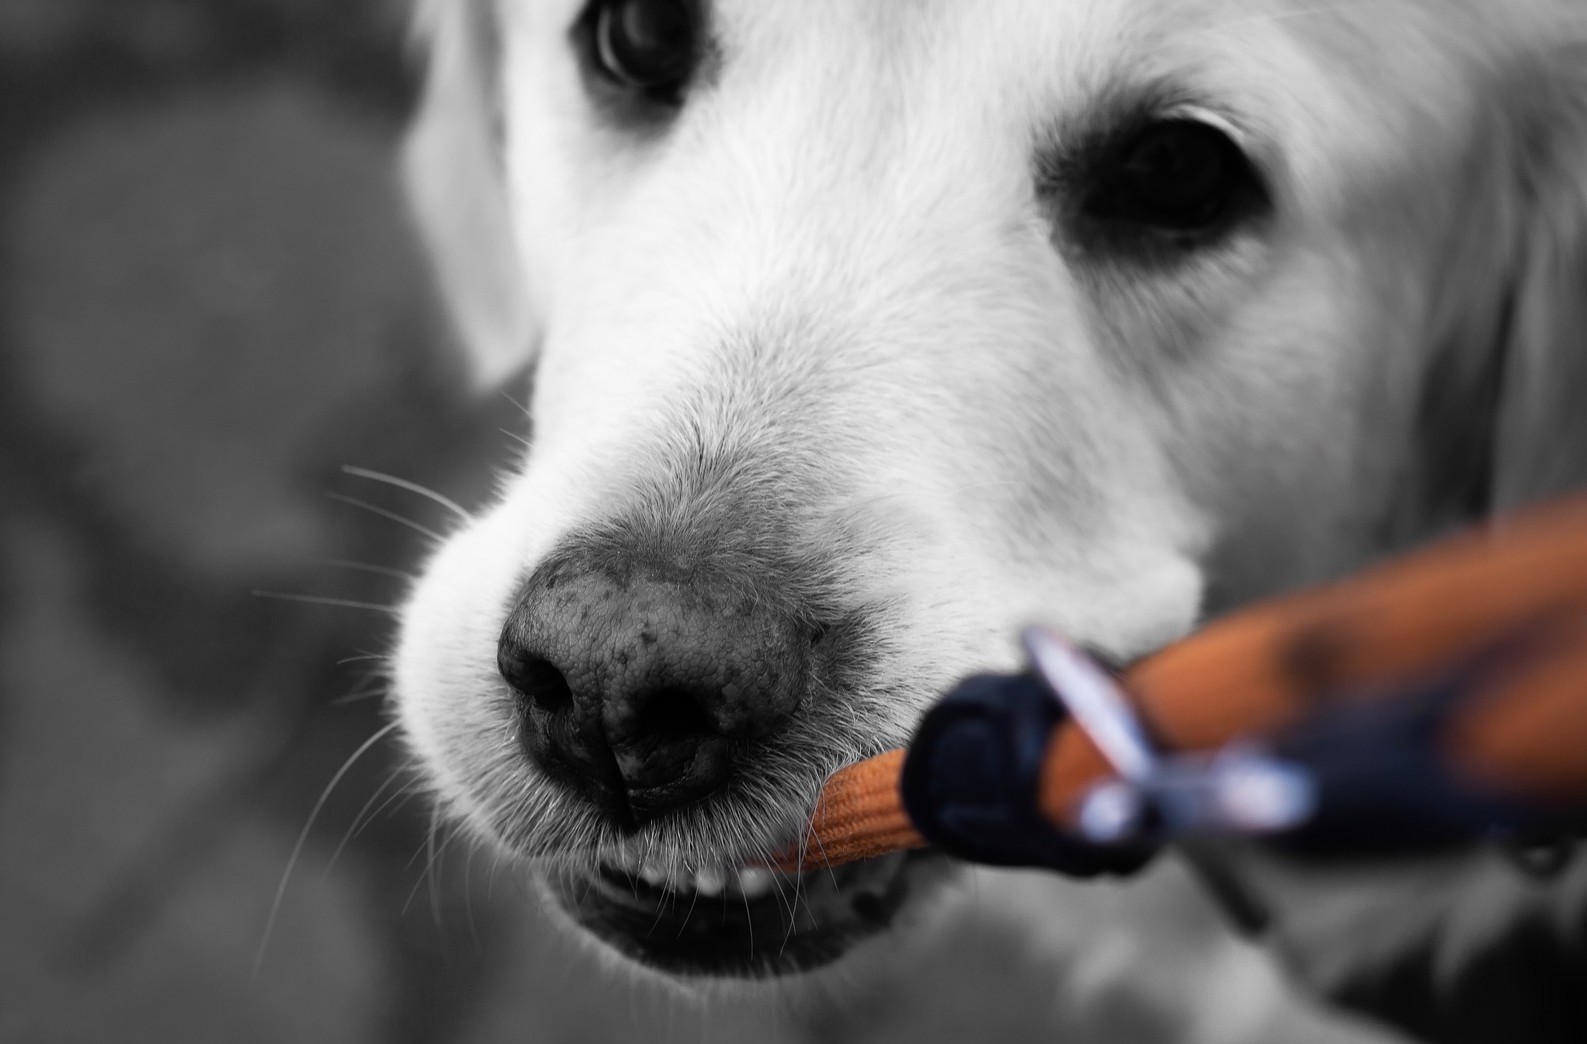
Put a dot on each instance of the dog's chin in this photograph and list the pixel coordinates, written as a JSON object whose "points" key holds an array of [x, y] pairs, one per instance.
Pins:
{"points": [[731, 926]]}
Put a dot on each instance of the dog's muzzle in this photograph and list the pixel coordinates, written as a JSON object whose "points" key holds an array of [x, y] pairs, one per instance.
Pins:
{"points": [[660, 682]]}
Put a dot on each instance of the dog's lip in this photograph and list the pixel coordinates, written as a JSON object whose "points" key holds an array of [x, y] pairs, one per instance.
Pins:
{"points": [[802, 922]]}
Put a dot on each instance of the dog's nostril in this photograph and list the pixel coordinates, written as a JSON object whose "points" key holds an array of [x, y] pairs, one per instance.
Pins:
{"points": [[673, 713], [537, 680]]}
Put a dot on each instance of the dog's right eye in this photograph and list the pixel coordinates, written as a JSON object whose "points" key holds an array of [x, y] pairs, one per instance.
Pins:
{"points": [[649, 47]]}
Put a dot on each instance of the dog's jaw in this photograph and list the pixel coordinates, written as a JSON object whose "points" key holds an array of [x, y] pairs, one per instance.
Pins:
{"points": [[783, 925]]}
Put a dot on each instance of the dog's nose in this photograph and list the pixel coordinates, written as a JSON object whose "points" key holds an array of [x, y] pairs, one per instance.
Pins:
{"points": [[638, 690]]}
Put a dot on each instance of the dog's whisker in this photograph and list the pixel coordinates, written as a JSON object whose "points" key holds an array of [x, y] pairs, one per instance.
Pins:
{"points": [[361, 694], [749, 922], [768, 857], [335, 603], [688, 913], [303, 836], [374, 684], [376, 509], [793, 909], [490, 876], [513, 401], [347, 661], [419, 860], [396, 801], [411, 487], [468, 891], [830, 871], [358, 822], [365, 567], [430, 851], [413, 893], [661, 912], [447, 841]]}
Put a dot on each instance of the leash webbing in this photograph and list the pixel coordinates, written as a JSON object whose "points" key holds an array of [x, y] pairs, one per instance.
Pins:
{"points": [[1494, 619]]}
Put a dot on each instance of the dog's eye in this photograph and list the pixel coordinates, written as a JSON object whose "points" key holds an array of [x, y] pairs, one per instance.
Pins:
{"points": [[1176, 175], [647, 45]]}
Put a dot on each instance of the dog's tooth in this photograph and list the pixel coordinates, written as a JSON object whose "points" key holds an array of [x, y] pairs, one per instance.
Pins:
{"points": [[653, 875], [709, 882], [754, 882]]}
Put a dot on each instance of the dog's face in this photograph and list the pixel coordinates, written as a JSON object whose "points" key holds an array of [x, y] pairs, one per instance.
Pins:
{"points": [[865, 333]]}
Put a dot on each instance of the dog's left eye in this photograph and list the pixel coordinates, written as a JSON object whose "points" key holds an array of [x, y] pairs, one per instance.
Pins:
{"points": [[1177, 176], [648, 46]]}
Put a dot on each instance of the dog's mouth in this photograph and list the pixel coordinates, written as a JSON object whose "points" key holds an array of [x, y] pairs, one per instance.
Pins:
{"points": [[741, 923]]}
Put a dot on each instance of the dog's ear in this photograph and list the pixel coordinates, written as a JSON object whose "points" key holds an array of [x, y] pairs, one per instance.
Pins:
{"points": [[1540, 429], [1503, 418], [454, 169]]}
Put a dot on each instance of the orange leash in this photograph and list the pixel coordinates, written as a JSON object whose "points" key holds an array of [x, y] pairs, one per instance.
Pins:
{"points": [[1261, 670]]}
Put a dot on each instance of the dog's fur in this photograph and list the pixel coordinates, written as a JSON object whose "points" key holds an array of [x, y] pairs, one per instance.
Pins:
{"points": [[826, 313]]}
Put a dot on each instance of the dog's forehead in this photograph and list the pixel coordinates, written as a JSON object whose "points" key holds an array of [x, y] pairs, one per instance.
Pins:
{"points": [[1290, 71], [1042, 52]]}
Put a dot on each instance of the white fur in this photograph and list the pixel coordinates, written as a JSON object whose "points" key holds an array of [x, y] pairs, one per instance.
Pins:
{"points": [[833, 264]]}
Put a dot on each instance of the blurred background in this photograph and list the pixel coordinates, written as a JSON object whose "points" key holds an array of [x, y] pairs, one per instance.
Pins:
{"points": [[209, 307]]}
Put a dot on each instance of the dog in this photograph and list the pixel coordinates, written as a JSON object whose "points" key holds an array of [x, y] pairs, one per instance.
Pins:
{"points": [[862, 334]]}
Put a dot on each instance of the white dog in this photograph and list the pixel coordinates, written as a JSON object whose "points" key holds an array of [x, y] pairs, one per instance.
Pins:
{"points": [[865, 331]]}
